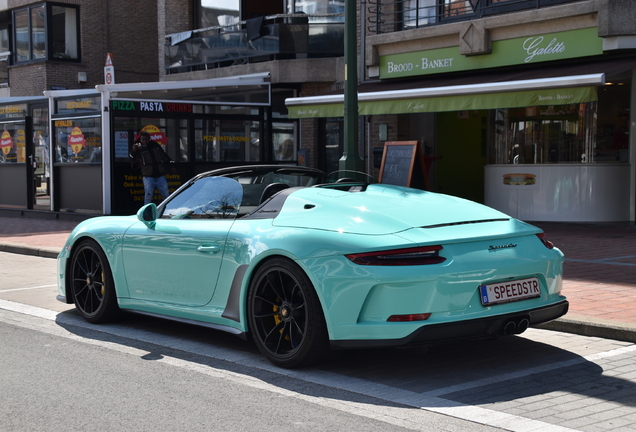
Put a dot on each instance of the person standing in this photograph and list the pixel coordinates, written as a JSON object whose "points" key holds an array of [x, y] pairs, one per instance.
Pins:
{"points": [[150, 157]]}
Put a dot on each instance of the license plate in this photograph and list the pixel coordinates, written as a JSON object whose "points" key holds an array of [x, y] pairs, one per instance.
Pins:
{"points": [[509, 291]]}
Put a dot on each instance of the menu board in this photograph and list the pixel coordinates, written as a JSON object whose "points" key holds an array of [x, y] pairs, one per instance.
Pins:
{"points": [[403, 165]]}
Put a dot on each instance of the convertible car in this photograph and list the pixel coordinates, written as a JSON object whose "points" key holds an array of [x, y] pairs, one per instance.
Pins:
{"points": [[304, 265]]}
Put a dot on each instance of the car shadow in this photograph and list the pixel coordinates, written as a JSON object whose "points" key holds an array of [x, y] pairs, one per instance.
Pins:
{"points": [[469, 372]]}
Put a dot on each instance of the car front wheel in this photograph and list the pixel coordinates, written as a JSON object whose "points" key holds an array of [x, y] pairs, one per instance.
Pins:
{"points": [[285, 316], [92, 283]]}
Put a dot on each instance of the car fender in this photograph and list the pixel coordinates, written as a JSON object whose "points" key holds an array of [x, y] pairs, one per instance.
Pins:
{"points": [[108, 233]]}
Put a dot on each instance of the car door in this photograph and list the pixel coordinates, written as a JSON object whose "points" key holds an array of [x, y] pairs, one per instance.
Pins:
{"points": [[177, 258]]}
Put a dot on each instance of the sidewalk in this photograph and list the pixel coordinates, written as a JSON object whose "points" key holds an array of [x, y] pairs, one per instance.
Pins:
{"points": [[600, 268]]}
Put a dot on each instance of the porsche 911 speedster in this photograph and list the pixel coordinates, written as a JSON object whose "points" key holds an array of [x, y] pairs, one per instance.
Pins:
{"points": [[303, 265]]}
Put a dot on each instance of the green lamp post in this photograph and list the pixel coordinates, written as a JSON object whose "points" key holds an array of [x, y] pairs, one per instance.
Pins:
{"points": [[350, 160]]}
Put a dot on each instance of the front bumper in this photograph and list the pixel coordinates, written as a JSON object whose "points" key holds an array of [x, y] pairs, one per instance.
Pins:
{"points": [[469, 329]]}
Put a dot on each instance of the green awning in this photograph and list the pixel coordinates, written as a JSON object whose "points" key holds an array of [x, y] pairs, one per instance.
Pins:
{"points": [[458, 98]]}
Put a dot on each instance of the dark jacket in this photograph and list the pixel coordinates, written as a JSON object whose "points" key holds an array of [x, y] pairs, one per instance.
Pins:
{"points": [[151, 159]]}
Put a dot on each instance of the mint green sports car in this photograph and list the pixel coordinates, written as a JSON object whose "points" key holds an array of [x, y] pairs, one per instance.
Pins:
{"points": [[303, 265]]}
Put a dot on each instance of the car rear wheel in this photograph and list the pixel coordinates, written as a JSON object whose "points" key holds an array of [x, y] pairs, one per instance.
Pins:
{"points": [[92, 283], [285, 316]]}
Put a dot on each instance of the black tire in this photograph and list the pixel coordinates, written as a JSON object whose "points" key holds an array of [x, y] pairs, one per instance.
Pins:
{"points": [[285, 317], [91, 283]]}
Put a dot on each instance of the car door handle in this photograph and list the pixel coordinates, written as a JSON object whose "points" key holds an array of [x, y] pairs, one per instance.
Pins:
{"points": [[210, 249]]}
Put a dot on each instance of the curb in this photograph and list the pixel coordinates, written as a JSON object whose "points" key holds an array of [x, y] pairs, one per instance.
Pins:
{"points": [[45, 252], [595, 327]]}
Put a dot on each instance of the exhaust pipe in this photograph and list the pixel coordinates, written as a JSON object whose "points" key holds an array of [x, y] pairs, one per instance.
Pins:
{"points": [[509, 328], [515, 326], [523, 325]]}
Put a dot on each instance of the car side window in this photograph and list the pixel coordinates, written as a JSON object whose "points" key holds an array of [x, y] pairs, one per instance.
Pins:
{"points": [[206, 198]]}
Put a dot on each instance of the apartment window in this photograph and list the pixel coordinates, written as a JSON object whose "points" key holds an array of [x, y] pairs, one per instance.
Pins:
{"points": [[46, 31], [5, 52], [213, 13]]}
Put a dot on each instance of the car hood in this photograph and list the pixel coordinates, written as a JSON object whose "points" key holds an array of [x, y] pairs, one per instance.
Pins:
{"points": [[380, 210]]}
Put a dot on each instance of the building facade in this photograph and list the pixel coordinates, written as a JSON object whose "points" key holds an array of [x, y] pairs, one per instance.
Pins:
{"points": [[63, 46], [523, 105]]}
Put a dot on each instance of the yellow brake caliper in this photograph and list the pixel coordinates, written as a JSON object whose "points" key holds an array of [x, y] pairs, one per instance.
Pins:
{"points": [[278, 318]]}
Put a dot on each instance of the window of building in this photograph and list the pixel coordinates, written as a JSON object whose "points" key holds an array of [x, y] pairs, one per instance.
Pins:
{"points": [[5, 53], [78, 140], [12, 143], [46, 31], [419, 13], [333, 136], [213, 13], [225, 140], [594, 132]]}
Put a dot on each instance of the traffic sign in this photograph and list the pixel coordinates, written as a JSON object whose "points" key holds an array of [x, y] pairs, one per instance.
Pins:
{"points": [[109, 70]]}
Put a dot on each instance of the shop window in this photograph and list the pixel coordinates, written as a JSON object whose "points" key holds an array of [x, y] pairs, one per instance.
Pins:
{"points": [[171, 134], [46, 32], [283, 141], [594, 132], [334, 143], [545, 135], [12, 143], [78, 140], [224, 140]]}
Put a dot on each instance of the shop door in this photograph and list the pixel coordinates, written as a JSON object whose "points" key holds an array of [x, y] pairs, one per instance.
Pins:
{"points": [[14, 169], [38, 156]]}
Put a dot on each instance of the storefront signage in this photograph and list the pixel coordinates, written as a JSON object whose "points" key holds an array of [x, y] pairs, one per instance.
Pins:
{"points": [[156, 134], [121, 144], [6, 142], [78, 105], [165, 107], [147, 106], [212, 138], [76, 140], [124, 105], [524, 50], [12, 111], [133, 187], [513, 99]]}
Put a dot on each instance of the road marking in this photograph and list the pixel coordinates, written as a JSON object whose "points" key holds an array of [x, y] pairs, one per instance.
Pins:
{"points": [[604, 261], [532, 371], [29, 288], [428, 402]]}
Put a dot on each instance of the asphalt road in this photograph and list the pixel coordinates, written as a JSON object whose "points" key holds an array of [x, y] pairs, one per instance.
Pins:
{"points": [[59, 372]]}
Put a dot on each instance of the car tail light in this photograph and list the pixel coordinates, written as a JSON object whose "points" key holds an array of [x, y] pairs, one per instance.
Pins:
{"points": [[409, 318], [547, 243], [400, 257]]}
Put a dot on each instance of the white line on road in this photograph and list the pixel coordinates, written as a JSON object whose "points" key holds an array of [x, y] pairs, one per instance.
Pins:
{"points": [[415, 420], [28, 288]]}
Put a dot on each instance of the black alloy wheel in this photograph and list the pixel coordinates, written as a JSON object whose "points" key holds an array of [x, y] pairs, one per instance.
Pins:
{"points": [[285, 317], [91, 283]]}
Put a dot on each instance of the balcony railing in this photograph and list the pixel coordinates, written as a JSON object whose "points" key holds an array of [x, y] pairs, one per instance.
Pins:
{"points": [[288, 36], [387, 16]]}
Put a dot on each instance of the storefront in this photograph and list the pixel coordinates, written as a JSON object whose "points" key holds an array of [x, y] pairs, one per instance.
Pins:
{"points": [[24, 158], [542, 133], [202, 125]]}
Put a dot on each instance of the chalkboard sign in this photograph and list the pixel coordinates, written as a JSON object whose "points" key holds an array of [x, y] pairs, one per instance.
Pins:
{"points": [[403, 165]]}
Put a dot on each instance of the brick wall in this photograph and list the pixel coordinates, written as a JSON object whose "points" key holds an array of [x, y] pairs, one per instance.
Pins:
{"points": [[173, 16]]}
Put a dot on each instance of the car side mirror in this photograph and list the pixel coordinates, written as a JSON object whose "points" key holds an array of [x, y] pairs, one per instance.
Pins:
{"points": [[148, 215]]}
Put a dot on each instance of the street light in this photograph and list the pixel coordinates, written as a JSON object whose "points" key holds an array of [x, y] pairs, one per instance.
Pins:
{"points": [[350, 160]]}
